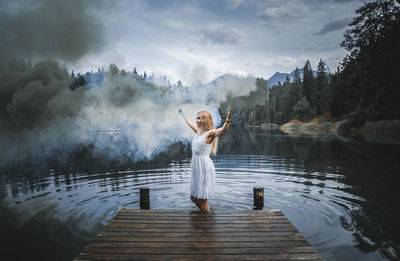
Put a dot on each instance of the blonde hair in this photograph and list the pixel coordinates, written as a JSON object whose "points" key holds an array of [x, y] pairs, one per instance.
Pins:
{"points": [[208, 124]]}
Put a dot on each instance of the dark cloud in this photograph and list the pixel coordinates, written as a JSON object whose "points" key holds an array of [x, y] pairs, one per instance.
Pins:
{"points": [[291, 11], [333, 26], [49, 29], [33, 97], [38, 110], [220, 36], [296, 10]]}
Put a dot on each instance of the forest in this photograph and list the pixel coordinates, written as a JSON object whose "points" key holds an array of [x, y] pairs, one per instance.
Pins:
{"points": [[364, 87]]}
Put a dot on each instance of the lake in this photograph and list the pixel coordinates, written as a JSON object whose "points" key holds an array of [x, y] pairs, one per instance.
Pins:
{"points": [[342, 194]]}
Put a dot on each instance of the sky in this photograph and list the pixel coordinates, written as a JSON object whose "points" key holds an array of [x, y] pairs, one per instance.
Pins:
{"points": [[123, 116], [192, 41], [188, 40], [200, 40]]}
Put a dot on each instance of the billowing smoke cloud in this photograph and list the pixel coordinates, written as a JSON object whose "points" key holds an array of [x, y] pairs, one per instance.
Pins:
{"points": [[147, 115], [49, 29], [124, 116]]}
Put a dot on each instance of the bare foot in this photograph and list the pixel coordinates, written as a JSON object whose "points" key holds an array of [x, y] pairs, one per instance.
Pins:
{"points": [[204, 205], [195, 201]]}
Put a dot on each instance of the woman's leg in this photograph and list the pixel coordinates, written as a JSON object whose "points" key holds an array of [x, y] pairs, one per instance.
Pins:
{"points": [[204, 207], [195, 201]]}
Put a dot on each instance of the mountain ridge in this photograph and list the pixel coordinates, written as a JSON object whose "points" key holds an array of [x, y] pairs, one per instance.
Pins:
{"points": [[281, 77]]}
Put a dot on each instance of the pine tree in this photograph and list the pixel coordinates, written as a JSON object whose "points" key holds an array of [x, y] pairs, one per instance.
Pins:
{"points": [[303, 111], [81, 80], [373, 21], [288, 100], [297, 86], [321, 86], [368, 79], [308, 84]]}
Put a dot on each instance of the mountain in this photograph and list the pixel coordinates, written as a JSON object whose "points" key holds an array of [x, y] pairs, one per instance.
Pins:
{"points": [[277, 77], [281, 77], [228, 79]]}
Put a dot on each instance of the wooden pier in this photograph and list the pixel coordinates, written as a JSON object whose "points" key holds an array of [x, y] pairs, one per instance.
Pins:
{"points": [[192, 235]]}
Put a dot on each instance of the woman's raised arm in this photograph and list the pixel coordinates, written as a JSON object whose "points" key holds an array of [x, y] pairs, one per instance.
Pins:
{"points": [[189, 122], [224, 128]]}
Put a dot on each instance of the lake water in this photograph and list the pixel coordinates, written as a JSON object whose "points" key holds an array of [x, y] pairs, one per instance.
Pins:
{"points": [[342, 195]]}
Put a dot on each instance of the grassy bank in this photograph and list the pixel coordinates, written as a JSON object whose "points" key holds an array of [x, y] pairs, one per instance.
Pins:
{"points": [[345, 126], [316, 124]]}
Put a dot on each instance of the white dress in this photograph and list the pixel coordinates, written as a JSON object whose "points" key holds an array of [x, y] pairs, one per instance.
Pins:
{"points": [[202, 181]]}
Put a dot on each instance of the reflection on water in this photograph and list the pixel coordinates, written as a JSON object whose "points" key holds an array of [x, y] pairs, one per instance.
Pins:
{"points": [[341, 196]]}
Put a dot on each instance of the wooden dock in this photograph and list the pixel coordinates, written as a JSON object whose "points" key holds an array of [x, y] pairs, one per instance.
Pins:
{"points": [[192, 235]]}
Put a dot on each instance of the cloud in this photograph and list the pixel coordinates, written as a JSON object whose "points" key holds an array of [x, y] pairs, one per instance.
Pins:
{"points": [[234, 3], [196, 74], [286, 62], [333, 26], [220, 35], [289, 11], [50, 29]]}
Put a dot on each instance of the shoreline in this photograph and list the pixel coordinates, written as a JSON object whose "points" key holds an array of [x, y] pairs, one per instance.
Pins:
{"points": [[376, 132], [384, 127]]}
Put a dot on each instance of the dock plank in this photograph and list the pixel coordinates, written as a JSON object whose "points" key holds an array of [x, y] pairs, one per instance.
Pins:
{"points": [[190, 235], [197, 257]]}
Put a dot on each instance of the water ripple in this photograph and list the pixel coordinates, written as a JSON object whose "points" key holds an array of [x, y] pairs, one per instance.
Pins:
{"points": [[318, 203]]}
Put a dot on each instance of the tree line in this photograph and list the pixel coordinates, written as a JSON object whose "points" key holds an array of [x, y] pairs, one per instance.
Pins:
{"points": [[365, 86]]}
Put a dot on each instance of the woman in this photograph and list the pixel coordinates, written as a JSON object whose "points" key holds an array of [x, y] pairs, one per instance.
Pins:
{"points": [[202, 179]]}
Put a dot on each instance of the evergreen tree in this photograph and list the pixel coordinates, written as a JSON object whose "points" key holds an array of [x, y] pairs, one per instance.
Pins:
{"points": [[297, 86], [285, 100], [368, 74], [303, 111], [81, 80], [308, 84], [275, 103], [335, 105], [374, 20], [287, 93], [287, 80], [321, 87]]}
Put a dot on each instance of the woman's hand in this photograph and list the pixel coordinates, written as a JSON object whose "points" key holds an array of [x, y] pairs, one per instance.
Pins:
{"points": [[218, 132], [228, 117], [189, 122], [230, 113], [181, 113]]}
